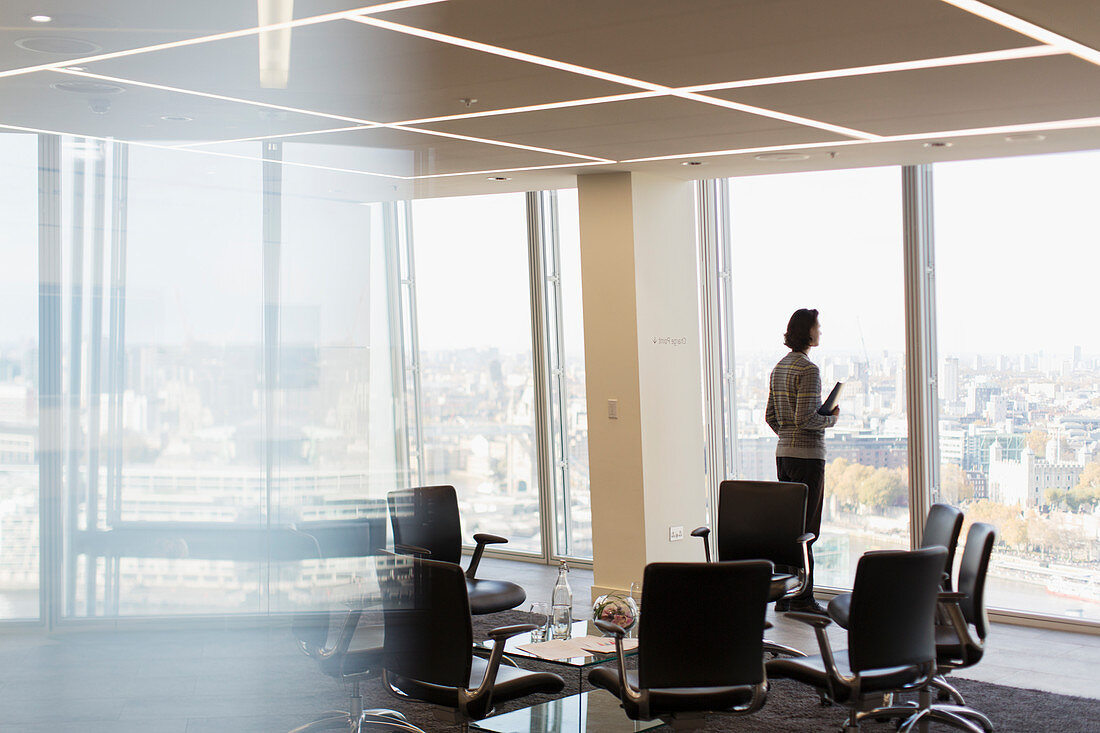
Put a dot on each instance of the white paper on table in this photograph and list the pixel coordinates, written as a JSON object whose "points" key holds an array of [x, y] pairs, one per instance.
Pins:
{"points": [[581, 646], [605, 644], [554, 649]]}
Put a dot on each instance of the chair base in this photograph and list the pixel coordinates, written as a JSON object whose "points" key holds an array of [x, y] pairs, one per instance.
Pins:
{"points": [[947, 691], [369, 721], [775, 649], [911, 715]]}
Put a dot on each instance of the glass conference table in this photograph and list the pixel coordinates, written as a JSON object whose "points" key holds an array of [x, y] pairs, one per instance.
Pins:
{"points": [[588, 712]]}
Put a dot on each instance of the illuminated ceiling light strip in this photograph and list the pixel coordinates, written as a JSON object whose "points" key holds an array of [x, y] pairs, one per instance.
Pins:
{"points": [[1073, 124], [243, 32], [742, 151], [535, 107], [203, 143], [512, 170], [219, 97], [1027, 28], [214, 153], [782, 116], [364, 124], [604, 75], [966, 59], [500, 143]]}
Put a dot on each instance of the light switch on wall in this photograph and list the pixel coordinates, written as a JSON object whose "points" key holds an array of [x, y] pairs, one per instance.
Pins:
{"points": [[612, 409]]}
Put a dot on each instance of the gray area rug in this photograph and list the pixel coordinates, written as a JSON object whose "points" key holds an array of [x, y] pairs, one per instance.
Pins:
{"points": [[796, 708]]}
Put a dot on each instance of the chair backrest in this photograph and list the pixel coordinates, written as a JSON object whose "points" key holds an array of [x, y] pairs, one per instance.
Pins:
{"points": [[427, 517], [972, 572], [942, 528], [426, 613], [893, 609], [761, 520], [703, 624]]}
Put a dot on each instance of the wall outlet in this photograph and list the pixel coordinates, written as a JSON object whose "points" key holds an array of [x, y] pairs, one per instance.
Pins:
{"points": [[675, 534]]}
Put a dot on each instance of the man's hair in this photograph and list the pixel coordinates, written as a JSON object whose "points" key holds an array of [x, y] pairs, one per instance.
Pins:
{"points": [[797, 337]]}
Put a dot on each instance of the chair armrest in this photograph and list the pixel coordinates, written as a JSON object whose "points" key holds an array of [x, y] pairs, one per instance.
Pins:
{"points": [[819, 624], [810, 619], [610, 628], [481, 539], [411, 550], [347, 633], [949, 603], [626, 692], [703, 533], [507, 632], [803, 575]]}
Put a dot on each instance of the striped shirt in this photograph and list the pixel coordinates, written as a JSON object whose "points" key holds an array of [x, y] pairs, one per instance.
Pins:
{"points": [[793, 399]]}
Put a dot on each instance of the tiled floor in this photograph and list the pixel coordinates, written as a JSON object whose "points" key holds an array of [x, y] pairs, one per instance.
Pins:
{"points": [[1039, 659]]}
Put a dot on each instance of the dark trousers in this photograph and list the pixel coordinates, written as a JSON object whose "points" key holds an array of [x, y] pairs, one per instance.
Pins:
{"points": [[809, 471]]}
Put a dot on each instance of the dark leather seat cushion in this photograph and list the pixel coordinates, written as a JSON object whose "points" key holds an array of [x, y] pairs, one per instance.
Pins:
{"points": [[782, 584], [490, 596], [949, 650], [811, 671], [839, 608], [670, 700], [511, 683]]}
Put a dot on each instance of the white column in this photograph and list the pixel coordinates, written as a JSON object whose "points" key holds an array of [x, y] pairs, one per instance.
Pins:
{"points": [[641, 323]]}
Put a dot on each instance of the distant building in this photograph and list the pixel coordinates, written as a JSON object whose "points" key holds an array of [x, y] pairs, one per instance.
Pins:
{"points": [[1025, 481]]}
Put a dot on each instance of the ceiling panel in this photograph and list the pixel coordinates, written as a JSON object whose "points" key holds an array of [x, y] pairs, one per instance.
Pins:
{"points": [[131, 112], [638, 128], [704, 41], [948, 98], [402, 153], [1078, 20], [84, 28], [349, 69]]}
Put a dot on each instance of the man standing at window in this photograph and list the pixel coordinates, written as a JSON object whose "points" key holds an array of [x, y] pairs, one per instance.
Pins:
{"points": [[794, 397]]}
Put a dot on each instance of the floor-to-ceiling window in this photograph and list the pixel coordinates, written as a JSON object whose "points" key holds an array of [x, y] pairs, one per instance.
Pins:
{"points": [[830, 241], [1017, 252], [19, 504], [477, 380]]}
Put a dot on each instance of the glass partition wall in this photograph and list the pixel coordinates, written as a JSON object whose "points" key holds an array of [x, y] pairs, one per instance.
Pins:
{"points": [[1018, 414], [227, 348]]}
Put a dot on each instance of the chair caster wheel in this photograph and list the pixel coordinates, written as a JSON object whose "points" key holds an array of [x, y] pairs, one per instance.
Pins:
{"points": [[943, 695]]}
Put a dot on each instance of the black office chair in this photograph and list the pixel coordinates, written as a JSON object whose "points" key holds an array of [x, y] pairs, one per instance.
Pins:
{"points": [[427, 517], [941, 529], [429, 644], [354, 655], [958, 647], [764, 520], [891, 640], [700, 646]]}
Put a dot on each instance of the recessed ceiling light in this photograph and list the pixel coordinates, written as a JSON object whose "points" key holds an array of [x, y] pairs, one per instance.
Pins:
{"points": [[693, 162], [58, 45], [938, 144], [41, 18], [499, 178], [783, 157], [176, 118], [1025, 138], [87, 87]]}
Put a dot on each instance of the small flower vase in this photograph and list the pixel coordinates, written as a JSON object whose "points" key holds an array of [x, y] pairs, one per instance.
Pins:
{"points": [[617, 608]]}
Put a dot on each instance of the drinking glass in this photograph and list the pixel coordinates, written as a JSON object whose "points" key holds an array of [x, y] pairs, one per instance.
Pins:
{"points": [[541, 613]]}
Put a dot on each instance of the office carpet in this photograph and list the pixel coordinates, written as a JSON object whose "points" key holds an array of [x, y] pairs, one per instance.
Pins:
{"points": [[795, 708]]}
